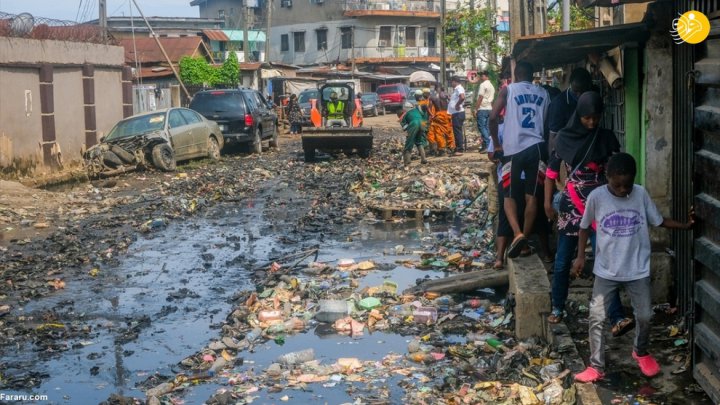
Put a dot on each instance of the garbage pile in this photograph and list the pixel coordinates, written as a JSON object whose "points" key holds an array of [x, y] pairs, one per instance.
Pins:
{"points": [[460, 349]]}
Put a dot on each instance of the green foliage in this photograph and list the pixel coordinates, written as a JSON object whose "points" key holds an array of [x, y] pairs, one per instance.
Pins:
{"points": [[198, 72], [580, 18], [230, 71], [471, 31]]}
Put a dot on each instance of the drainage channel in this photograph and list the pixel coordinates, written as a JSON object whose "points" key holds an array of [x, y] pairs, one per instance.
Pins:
{"points": [[171, 293]]}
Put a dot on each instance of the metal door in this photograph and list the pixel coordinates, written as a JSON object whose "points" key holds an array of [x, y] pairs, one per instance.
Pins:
{"points": [[180, 133], [705, 80]]}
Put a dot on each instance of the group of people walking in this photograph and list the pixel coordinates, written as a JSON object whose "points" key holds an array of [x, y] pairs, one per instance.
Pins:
{"points": [[555, 161]]}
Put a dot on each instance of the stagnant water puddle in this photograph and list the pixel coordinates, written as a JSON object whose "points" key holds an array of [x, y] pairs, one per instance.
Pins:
{"points": [[173, 290]]}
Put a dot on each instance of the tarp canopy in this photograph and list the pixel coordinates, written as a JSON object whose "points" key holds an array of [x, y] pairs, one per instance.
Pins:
{"points": [[422, 76], [562, 48]]}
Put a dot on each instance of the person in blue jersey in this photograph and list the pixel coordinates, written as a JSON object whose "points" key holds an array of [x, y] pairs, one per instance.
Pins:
{"points": [[525, 106]]}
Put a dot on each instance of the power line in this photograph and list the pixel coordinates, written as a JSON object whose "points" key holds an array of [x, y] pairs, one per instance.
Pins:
{"points": [[77, 15]]}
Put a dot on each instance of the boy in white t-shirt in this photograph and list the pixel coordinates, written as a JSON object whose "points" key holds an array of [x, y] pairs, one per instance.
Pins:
{"points": [[622, 212]]}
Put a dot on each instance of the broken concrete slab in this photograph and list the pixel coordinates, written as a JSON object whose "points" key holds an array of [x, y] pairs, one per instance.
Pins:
{"points": [[531, 288]]}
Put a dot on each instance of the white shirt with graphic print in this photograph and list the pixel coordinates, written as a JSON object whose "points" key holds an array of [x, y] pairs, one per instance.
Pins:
{"points": [[622, 251]]}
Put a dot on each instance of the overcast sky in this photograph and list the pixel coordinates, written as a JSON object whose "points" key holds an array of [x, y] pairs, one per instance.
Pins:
{"points": [[83, 10]]}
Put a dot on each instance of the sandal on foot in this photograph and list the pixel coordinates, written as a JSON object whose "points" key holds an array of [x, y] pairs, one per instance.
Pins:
{"points": [[623, 326], [517, 245], [498, 265], [527, 251], [647, 364], [556, 316], [589, 375]]}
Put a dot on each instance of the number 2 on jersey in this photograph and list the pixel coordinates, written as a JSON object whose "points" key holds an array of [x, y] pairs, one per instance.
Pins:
{"points": [[529, 114]]}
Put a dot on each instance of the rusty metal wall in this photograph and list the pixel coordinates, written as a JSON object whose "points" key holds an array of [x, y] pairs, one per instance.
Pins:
{"points": [[699, 97]]}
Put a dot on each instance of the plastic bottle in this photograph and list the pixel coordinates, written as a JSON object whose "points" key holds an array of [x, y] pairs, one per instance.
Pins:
{"points": [[264, 316], [160, 390], [297, 357], [496, 344], [444, 302], [400, 310], [253, 335]]}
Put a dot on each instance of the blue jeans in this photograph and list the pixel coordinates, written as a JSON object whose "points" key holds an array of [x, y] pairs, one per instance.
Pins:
{"points": [[483, 117], [457, 125], [564, 257]]}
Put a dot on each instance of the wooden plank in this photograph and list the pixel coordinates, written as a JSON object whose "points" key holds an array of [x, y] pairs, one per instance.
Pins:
{"points": [[707, 341], [587, 394], [707, 297], [707, 118], [707, 209], [708, 380], [708, 253], [462, 282]]}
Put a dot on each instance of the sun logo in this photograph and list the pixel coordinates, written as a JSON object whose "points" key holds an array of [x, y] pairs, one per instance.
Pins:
{"points": [[692, 27]]}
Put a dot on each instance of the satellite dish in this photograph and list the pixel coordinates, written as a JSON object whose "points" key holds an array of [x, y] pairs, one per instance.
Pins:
{"points": [[22, 24]]}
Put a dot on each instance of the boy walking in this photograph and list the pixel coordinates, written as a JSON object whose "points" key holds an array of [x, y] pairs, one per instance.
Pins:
{"points": [[621, 211]]}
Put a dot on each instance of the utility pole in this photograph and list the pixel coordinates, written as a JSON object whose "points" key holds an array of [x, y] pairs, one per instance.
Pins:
{"points": [[566, 15], [443, 62], [102, 19], [246, 38], [267, 31], [473, 56], [167, 58], [352, 51]]}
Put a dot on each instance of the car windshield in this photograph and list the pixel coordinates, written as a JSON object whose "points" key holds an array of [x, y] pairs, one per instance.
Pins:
{"points": [[369, 98], [217, 101], [137, 126], [305, 96], [388, 90], [343, 93]]}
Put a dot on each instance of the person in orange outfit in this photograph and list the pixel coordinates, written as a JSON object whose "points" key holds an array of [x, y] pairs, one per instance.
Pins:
{"points": [[440, 131]]}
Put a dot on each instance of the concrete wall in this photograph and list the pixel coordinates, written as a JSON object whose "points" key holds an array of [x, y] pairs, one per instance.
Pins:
{"points": [[21, 125], [107, 114]]}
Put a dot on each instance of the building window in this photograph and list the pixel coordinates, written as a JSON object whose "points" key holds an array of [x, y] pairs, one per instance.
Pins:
{"points": [[346, 37], [385, 38], [431, 41], [284, 43], [321, 35], [221, 13], [299, 41], [411, 37]]}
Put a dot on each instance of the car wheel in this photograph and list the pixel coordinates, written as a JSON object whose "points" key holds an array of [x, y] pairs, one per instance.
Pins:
{"points": [[163, 157], [274, 140], [213, 148], [257, 142]]}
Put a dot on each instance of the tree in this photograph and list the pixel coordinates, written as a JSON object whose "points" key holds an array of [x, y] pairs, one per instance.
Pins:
{"points": [[196, 71], [230, 71], [580, 18], [471, 32]]}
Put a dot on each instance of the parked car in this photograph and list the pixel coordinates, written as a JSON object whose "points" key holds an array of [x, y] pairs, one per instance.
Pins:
{"points": [[243, 115], [393, 95], [304, 100], [372, 104], [158, 138]]}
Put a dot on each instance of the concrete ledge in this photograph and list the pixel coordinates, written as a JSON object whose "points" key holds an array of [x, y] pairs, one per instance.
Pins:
{"points": [[531, 288]]}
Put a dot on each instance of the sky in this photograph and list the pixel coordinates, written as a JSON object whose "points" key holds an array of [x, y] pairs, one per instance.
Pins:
{"points": [[83, 10]]}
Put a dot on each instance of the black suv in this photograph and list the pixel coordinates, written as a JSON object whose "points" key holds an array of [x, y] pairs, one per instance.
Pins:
{"points": [[243, 115]]}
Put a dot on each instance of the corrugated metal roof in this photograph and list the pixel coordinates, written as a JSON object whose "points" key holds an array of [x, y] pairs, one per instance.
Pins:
{"points": [[561, 48], [237, 35], [216, 35], [149, 52]]}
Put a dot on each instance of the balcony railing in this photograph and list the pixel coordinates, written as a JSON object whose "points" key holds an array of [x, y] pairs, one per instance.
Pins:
{"points": [[393, 5]]}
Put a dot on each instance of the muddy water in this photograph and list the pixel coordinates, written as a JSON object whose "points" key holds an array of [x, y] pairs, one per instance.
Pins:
{"points": [[172, 291]]}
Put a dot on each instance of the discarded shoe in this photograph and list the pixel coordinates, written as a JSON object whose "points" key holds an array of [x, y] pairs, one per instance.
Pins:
{"points": [[647, 364], [589, 375], [555, 316]]}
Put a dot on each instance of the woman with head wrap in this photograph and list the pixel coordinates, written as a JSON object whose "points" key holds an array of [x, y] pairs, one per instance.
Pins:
{"points": [[584, 148]]}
